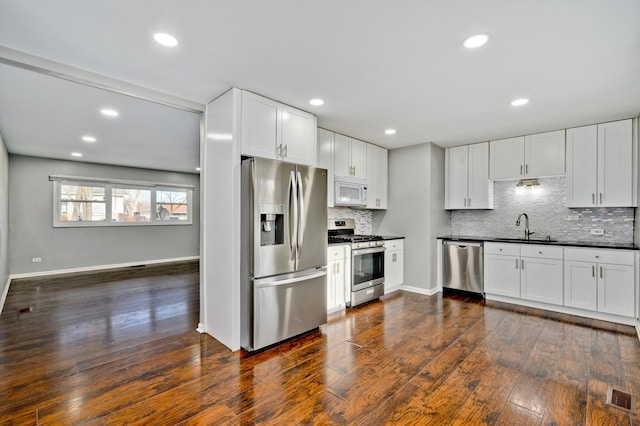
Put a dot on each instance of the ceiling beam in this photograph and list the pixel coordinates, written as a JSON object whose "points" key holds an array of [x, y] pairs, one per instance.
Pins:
{"points": [[44, 66]]}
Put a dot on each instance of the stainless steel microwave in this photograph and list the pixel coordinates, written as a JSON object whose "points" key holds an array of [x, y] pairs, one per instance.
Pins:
{"points": [[349, 193]]}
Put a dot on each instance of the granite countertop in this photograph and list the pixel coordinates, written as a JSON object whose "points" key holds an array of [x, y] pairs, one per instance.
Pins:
{"points": [[588, 244], [391, 237]]}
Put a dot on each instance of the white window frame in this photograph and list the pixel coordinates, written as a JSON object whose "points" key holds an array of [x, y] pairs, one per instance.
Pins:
{"points": [[109, 184]]}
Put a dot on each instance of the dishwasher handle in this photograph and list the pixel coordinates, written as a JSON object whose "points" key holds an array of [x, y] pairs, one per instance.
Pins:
{"points": [[462, 244]]}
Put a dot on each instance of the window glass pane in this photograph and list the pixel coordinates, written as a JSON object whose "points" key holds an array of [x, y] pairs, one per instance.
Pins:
{"points": [[172, 205], [130, 205], [80, 203]]}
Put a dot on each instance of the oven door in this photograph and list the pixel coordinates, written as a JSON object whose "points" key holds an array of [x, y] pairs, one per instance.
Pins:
{"points": [[367, 267]]}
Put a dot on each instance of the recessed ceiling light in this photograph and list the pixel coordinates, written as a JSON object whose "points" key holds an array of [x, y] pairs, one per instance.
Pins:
{"points": [[165, 39], [88, 138], [316, 102], [197, 169], [520, 102], [390, 131], [475, 41], [76, 154], [109, 112]]}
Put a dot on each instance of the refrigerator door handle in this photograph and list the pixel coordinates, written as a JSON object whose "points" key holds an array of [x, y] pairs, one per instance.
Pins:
{"points": [[301, 213], [269, 282], [293, 215]]}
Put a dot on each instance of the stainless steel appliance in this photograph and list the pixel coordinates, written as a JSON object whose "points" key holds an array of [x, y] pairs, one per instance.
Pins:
{"points": [[284, 251], [367, 260], [462, 267]]}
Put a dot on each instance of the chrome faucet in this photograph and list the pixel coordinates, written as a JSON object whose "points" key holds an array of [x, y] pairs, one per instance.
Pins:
{"points": [[527, 233]]}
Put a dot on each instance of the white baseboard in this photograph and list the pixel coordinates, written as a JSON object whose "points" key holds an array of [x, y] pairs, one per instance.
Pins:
{"points": [[638, 328], [4, 293], [419, 290], [618, 319], [101, 267], [200, 328]]}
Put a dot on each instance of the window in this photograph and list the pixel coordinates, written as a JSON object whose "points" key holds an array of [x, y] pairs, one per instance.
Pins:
{"points": [[102, 202]]}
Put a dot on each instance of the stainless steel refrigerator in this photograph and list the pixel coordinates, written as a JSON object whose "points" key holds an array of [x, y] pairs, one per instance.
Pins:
{"points": [[284, 251]]}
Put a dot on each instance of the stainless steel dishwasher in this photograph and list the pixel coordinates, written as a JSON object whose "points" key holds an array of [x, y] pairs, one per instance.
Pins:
{"points": [[463, 266]]}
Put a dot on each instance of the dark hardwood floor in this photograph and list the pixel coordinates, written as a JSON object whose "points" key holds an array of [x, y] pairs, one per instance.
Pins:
{"points": [[120, 347]]}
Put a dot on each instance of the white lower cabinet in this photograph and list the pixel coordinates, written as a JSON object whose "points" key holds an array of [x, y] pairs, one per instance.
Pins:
{"points": [[600, 280], [393, 265], [541, 274], [502, 269], [338, 265]]}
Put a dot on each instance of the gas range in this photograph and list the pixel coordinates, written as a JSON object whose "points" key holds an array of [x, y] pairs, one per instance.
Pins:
{"points": [[367, 261], [343, 231]]}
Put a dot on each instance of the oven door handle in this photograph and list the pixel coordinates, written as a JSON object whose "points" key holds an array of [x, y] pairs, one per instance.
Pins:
{"points": [[358, 252]]}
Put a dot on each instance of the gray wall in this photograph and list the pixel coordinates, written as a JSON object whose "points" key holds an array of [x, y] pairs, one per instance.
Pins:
{"points": [[4, 217], [32, 233], [416, 210]]}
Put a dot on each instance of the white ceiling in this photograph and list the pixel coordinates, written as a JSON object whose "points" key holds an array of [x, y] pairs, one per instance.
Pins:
{"points": [[377, 64]]}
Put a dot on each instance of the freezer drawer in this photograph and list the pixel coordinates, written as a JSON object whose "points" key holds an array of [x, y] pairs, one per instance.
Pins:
{"points": [[463, 266], [288, 305]]}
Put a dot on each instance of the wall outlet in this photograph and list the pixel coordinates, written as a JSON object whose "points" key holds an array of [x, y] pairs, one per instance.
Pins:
{"points": [[36, 260], [597, 231]]}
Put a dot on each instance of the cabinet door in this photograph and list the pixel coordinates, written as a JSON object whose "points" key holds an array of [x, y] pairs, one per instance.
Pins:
{"points": [[359, 158], [502, 275], [260, 132], [325, 160], [580, 285], [480, 192], [342, 155], [298, 136], [541, 280], [582, 166], [615, 164], [377, 177], [393, 270], [507, 158], [616, 289], [544, 154], [458, 178]]}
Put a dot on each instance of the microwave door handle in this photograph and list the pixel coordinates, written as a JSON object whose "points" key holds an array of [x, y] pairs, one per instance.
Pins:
{"points": [[293, 215], [301, 214]]}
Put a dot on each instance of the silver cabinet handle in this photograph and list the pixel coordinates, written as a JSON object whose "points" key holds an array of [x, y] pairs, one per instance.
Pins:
{"points": [[593, 198], [286, 150], [601, 272], [465, 202], [593, 270], [522, 263], [516, 263], [526, 169], [338, 268], [520, 168], [601, 198], [279, 151]]}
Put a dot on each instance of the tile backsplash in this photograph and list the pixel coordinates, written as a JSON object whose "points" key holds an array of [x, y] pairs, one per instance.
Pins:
{"points": [[548, 215], [363, 218]]}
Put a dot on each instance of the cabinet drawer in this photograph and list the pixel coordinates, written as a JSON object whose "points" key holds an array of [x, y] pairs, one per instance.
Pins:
{"points": [[335, 252], [541, 252], [502, 248], [394, 244], [617, 257]]}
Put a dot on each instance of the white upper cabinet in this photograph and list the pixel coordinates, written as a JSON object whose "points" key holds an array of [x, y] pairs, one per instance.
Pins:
{"points": [[600, 165], [277, 131], [350, 157], [325, 160], [467, 184], [377, 163], [528, 156]]}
